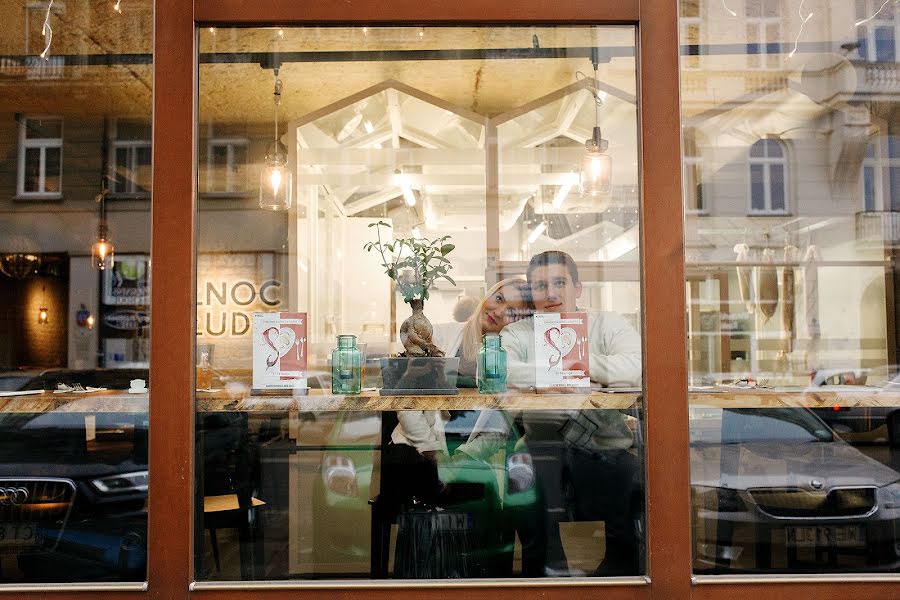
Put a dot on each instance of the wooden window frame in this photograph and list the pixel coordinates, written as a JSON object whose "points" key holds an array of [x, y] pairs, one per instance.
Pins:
{"points": [[171, 510]]}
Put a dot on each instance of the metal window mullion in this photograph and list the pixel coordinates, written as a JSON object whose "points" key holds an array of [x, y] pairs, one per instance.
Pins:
{"points": [[42, 166]]}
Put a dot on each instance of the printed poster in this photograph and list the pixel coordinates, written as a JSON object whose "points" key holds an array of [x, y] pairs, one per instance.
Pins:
{"points": [[280, 350], [561, 350]]}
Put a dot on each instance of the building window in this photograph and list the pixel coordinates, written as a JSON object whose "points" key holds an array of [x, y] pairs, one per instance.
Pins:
{"points": [[877, 33], [695, 201], [768, 181], [40, 157], [690, 33], [226, 165], [880, 179], [130, 158], [763, 33]]}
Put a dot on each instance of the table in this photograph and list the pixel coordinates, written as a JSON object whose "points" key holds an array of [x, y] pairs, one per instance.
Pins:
{"points": [[119, 401]]}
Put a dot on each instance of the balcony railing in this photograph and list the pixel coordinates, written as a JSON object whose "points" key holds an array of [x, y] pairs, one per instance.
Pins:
{"points": [[882, 227]]}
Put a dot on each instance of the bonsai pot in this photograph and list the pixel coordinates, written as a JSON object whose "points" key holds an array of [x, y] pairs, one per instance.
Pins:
{"points": [[422, 375]]}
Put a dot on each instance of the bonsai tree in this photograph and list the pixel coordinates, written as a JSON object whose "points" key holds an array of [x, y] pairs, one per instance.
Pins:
{"points": [[414, 264]]}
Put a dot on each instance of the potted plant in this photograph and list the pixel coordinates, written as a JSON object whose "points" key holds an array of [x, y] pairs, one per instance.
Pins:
{"points": [[415, 264]]}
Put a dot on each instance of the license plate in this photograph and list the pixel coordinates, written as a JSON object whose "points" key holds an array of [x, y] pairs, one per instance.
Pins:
{"points": [[822, 535], [18, 534], [453, 521]]}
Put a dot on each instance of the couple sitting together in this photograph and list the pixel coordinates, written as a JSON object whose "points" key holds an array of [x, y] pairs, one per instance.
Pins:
{"points": [[587, 451]]}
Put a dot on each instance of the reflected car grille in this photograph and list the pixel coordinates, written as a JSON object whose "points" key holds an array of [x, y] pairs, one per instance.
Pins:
{"points": [[800, 503], [44, 502]]}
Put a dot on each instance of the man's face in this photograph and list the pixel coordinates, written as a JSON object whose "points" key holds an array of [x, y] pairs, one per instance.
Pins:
{"points": [[553, 289]]}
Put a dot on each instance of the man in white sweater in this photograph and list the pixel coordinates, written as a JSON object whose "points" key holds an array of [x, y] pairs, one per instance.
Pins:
{"points": [[583, 461]]}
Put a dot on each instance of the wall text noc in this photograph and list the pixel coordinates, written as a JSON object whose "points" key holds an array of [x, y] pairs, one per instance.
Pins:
{"points": [[224, 308]]}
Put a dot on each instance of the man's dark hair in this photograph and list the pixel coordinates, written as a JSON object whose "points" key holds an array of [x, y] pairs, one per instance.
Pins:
{"points": [[553, 257]]}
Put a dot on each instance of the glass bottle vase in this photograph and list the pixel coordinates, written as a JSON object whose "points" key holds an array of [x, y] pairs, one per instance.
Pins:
{"points": [[491, 368], [346, 366]]}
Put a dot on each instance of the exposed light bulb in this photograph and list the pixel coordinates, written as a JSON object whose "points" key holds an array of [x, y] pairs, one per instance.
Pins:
{"points": [[90, 321], [102, 253], [421, 32], [276, 182], [537, 231], [118, 6], [365, 31], [43, 315], [281, 32]]}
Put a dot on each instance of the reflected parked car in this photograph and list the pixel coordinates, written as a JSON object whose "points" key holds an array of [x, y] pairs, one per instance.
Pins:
{"points": [[776, 490], [73, 486]]}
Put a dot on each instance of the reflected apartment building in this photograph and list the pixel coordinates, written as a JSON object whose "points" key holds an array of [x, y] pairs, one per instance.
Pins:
{"points": [[792, 183]]}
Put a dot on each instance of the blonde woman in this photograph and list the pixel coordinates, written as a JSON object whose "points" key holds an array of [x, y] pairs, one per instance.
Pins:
{"points": [[506, 302]]}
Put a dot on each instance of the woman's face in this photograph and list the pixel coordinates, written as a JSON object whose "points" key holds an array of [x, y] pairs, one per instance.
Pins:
{"points": [[501, 309]]}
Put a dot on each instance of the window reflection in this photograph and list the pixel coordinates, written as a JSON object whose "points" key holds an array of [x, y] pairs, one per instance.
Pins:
{"points": [[791, 286]]}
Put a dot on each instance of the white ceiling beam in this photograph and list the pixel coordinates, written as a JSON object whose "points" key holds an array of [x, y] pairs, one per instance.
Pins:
{"points": [[393, 101], [417, 136], [458, 179], [569, 110], [373, 200], [377, 136], [538, 136], [344, 158]]}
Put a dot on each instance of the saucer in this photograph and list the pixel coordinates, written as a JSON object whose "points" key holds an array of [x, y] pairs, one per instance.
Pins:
{"points": [[138, 390]]}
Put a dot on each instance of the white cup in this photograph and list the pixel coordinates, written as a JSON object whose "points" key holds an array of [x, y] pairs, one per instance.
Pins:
{"points": [[138, 384]]}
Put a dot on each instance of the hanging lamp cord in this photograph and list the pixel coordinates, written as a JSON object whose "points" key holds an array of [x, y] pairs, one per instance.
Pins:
{"points": [[277, 97]]}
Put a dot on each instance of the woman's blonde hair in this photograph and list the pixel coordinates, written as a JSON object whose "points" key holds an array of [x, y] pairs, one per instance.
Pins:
{"points": [[472, 332]]}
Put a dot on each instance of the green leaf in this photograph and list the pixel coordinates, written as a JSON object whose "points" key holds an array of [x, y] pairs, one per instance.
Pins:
{"points": [[450, 279], [447, 249]]}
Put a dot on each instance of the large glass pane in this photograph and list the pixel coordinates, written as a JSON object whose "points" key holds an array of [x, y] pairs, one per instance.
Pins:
{"points": [[791, 289], [357, 457], [73, 338]]}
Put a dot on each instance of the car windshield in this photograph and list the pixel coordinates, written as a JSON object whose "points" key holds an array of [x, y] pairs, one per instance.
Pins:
{"points": [[779, 425], [736, 426]]}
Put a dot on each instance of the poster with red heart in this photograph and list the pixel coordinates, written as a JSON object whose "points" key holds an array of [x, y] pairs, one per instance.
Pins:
{"points": [[562, 350], [280, 350]]}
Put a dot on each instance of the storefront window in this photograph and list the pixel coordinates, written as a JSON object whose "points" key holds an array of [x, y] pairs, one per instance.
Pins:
{"points": [[75, 79], [791, 288], [484, 179]]}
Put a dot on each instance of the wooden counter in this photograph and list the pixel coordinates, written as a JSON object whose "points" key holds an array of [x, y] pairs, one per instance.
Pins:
{"points": [[322, 400]]}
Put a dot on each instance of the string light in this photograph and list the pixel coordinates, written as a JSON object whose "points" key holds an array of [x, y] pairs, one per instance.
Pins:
{"points": [[421, 32], [877, 12], [118, 6], [47, 31], [803, 21]]}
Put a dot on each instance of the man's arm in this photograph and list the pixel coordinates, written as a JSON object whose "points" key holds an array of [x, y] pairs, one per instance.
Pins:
{"points": [[615, 351]]}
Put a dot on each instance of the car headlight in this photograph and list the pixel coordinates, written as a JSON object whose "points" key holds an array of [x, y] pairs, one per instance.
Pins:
{"points": [[520, 472], [718, 499], [889, 495], [124, 482]]}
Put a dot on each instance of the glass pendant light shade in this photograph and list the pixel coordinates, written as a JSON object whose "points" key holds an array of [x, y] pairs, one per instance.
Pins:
{"points": [[276, 182], [596, 167]]}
